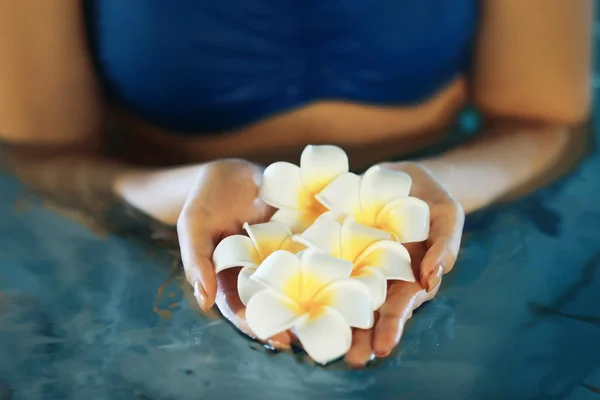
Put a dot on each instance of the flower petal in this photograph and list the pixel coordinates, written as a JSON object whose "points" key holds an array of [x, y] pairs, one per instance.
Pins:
{"points": [[407, 219], [357, 237], [325, 338], [324, 234], [235, 251], [296, 221], [282, 186], [318, 270], [352, 299], [246, 286], [342, 194], [322, 268], [267, 237], [268, 313], [374, 279], [319, 165], [379, 186], [280, 271], [391, 258]]}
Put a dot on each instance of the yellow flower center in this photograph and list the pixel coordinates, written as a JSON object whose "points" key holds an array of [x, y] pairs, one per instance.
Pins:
{"points": [[370, 219], [266, 247], [292, 246], [357, 270], [367, 214], [311, 207], [305, 291], [358, 266]]}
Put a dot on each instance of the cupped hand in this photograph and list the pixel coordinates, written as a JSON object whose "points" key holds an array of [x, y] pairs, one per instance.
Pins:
{"points": [[430, 260], [225, 196]]}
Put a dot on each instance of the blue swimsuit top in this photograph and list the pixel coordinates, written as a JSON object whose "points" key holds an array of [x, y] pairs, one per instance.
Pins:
{"points": [[202, 66]]}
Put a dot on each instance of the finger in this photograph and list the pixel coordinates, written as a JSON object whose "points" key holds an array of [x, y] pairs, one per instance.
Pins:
{"points": [[232, 308], [402, 299], [438, 260], [196, 247], [281, 341], [417, 252], [443, 243], [361, 349], [228, 299], [447, 220]]}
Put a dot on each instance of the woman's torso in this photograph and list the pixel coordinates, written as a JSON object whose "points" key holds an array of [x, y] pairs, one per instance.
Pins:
{"points": [[209, 79]]}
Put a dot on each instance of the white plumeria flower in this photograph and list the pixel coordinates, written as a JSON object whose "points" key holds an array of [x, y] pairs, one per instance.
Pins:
{"points": [[379, 199], [375, 258], [292, 189], [311, 294], [250, 251]]}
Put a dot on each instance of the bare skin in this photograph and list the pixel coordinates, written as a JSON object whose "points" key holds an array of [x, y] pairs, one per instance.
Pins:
{"points": [[531, 79], [202, 220]]}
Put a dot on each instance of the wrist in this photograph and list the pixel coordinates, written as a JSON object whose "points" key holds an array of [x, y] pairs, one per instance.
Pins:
{"points": [[460, 181], [504, 162], [160, 194]]}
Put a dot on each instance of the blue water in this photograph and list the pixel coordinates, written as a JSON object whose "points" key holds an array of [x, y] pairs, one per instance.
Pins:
{"points": [[519, 318]]}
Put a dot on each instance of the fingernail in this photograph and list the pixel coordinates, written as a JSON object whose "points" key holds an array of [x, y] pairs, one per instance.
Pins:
{"points": [[200, 295], [434, 278], [357, 365], [383, 353]]}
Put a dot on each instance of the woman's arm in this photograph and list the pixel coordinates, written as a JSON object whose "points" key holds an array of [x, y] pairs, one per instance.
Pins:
{"points": [[52, 120], [532, 83], [117, 195], [505, 159]]}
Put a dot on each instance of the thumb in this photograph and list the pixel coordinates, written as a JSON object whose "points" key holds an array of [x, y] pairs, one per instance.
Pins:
{"points": [[197, 246]]}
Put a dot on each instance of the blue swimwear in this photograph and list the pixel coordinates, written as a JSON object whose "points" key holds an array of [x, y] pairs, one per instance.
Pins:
{"points": [[201, 66]]}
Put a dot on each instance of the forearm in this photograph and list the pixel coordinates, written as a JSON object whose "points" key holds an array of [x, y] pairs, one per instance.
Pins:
{"points": [[115, 194], [504, 159]]}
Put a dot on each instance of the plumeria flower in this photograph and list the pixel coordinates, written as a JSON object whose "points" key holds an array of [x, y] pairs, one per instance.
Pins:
{"points": [[379, 199], [250, 251], [310, 293], [374, 256], [292, 189]]}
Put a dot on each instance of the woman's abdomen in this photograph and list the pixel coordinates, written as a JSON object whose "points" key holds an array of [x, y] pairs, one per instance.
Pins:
{"points": [[368, 133]]}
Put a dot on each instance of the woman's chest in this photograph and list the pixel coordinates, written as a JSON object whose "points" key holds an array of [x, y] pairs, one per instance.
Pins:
{"points": [[208, 66]]}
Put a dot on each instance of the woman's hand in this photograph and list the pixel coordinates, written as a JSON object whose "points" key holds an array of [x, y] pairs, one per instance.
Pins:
{"points": [[430, 260], [225, 196]]}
